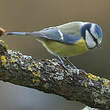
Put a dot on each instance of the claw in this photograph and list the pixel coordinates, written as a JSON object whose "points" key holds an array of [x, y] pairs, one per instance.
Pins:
{"points": [[78, 71], [82, 71], [75, 69]]}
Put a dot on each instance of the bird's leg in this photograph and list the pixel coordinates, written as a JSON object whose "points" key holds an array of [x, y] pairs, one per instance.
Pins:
{"points": [[66, 58], [75, 68], [62, 62]]}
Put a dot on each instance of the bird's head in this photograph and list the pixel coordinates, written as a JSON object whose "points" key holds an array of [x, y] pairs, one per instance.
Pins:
{"points": [[92, 34]]}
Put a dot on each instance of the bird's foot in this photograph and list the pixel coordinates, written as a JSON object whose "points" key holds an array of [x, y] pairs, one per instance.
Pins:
{"points": [[78, 71], [72, 70], [82, 71], [64, 66], [68, 67]]}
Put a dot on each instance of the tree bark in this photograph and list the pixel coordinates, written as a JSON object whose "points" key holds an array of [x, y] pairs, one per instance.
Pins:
{"points": [[50, 76]]}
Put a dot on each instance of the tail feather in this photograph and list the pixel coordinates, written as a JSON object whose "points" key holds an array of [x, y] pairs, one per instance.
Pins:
{"points": [[15, 33], [37, 34]]}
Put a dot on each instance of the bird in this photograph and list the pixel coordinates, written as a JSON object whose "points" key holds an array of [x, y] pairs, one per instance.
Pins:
{"points": [[67, 40]]}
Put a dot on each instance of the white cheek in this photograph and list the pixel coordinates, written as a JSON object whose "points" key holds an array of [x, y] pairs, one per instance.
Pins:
{"points": [[92, 29], [89, 40]]}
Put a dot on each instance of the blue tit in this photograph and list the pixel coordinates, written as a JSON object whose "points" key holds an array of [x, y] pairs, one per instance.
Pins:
{"points": [[69, 39]]}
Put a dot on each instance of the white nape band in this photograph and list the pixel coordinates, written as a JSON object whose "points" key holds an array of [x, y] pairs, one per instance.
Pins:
{"points": [[92, 29]]}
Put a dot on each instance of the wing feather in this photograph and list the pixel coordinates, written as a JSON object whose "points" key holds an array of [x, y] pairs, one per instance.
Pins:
{"points": [[54, 33]]}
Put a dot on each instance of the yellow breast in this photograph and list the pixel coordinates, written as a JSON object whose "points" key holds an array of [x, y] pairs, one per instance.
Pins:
{"points": [[63, 49]]}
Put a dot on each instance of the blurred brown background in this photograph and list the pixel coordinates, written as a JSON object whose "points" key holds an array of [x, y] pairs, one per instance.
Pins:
{"points": [[32, 15]]}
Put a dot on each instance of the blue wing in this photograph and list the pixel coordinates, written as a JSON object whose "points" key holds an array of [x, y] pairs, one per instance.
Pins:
{"points": [[54, 33]]}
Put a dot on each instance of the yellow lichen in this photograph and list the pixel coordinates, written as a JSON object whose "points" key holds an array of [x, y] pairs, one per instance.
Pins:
{"points": [[85, 85], [15, 50], [47, 59], [35, 80], [3, 60], [71, 78], [106, 82], [30, 69], [1, 41], [12, 60], [4, 44], [16, 56], [37, 73], [93, 77], [34, 64]]}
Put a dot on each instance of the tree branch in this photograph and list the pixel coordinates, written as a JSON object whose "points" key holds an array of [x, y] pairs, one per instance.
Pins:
{"points": [[89, 108], [49, 76]]}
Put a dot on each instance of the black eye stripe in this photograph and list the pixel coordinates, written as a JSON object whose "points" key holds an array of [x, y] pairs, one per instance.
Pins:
{"points": [[95, 40]]}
